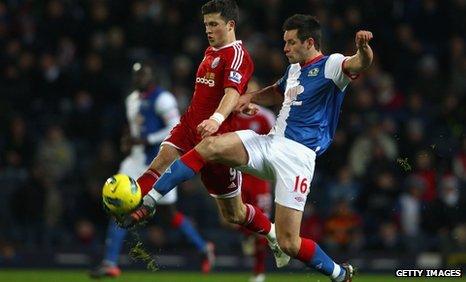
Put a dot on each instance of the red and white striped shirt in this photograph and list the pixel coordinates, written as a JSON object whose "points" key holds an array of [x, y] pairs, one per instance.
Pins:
{"points": [[228, 66]]}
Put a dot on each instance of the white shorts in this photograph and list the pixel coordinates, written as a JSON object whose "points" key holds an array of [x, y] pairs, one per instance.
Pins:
{"points": [[134, 165], [287, 162]]}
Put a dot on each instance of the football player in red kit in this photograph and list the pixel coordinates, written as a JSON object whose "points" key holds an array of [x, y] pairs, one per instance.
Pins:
{"points": [[221, 78]]}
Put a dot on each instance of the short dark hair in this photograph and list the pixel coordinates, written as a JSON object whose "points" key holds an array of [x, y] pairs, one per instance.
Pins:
{"points": [[228, 9], [307, 26]]}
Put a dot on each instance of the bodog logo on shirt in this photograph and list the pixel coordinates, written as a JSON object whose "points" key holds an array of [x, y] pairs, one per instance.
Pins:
{"points": [[208, 79]]}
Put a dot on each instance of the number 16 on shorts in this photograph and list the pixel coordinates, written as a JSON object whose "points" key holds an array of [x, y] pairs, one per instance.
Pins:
{"points": [[301, 185]]}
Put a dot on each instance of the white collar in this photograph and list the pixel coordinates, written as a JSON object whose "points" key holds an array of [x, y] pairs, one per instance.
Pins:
{"points": [[228, 45]]}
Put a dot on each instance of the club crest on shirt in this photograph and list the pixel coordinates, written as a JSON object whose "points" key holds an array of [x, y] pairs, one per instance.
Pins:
{"points": [[215, 62], [313, 72]]}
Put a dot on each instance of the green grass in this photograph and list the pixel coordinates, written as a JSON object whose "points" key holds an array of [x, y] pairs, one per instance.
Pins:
{"points": [[164, 276]]}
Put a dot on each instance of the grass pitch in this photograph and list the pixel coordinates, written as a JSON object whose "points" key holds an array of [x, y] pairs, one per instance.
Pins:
{"points": [[165, 276]]}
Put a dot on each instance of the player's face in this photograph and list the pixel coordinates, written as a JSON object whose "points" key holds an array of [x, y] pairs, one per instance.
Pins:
{"points": [[142, 78], [295, 50], [216, 29]]}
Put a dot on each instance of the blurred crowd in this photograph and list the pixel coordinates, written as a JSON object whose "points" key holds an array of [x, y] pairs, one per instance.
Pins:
{"points": [[393, 180]]}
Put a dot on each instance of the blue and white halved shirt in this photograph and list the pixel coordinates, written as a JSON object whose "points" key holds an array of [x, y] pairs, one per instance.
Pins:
{"points": [[313, 97]]}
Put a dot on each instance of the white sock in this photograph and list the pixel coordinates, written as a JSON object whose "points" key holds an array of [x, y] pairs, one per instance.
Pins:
{"points": [[338, 273], [156, 196]]}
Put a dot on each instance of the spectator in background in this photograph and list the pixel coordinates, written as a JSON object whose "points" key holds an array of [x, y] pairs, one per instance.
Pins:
{"points": [[359, 157], [458, 66], [343, 229], [17, 146], [378, 200], [459, 162], [345, 187], [389, 99], [410, 213], [15, 151], [415, 139], [27, 205], [337, 154], [56, 156], [388, 238], [447, 212], [425, 170]]}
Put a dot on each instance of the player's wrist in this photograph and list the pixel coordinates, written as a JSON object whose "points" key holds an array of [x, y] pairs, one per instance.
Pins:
{"points": [[218, 117], [363, 47]]}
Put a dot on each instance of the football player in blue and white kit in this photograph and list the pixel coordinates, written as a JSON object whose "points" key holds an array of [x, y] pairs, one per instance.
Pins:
{"points": [[311, 93], [151, 112]]}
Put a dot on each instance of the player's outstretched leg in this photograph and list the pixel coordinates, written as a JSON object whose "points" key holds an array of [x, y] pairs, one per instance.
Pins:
{"points": [[206, 249], [113, 244], [288, 223]]}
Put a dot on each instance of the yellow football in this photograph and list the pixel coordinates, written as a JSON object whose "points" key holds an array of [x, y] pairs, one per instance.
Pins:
{"points": [[121, 194]]}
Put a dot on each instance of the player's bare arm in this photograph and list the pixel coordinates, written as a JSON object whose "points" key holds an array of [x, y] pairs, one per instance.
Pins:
{"points": [[226, 106], [267, 96], [363, 57]]}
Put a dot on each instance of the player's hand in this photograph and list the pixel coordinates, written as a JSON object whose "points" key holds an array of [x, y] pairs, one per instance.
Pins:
{"points": [[362, 38], [251, 109], [243, 102], [207, 127]]}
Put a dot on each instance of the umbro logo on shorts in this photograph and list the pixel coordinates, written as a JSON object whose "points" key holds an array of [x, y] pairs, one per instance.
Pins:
{"points": [[299, 199]]}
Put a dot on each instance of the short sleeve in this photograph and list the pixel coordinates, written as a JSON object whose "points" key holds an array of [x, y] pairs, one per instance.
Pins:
{"points": [[166, 106], [334, 71], [238, 69]]}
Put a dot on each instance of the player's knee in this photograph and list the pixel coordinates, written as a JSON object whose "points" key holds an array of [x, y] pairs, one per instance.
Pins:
{"points": [[210, 148], [288, 243]]}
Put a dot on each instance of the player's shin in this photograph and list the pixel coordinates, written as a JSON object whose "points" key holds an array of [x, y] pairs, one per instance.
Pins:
{"points": [[256, 221], [313, 256], [113, 243], [147, 179], [179, 171]]}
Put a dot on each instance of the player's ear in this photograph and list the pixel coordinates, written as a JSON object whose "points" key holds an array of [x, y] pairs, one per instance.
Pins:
{"points": [[231, 25], [310, 42]]}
